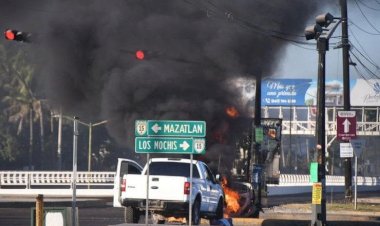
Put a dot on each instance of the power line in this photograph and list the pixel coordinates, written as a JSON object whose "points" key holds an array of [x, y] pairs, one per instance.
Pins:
{"points": [[369, 60], [357, 40], [363, 77], [227, 12], [369, 7], [365, 17], [212, 7], [373, 75], [365, 31]]}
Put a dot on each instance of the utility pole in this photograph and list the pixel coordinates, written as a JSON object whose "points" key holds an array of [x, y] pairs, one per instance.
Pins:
{"points": [[257, 168], [319, 210], [346, 94], [319, 188]]}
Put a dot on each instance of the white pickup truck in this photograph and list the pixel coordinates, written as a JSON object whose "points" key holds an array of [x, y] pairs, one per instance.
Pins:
{"points": [[169, 191]]}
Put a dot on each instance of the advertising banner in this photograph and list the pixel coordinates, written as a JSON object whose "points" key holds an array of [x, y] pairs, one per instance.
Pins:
{"points": [[303, 92], [284, 92]]}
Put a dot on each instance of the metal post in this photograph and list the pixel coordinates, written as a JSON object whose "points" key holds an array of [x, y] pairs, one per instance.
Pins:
{"points": [[74, 178], [40, 210], [147, 190], [356, 181], [31, 167], [59, 151], [191, 188], [89, 146], [257, 158], [346, 94], [319, 210]]}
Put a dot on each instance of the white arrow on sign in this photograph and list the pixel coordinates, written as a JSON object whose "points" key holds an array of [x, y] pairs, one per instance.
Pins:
{"points": [[156, 128], [346, 125], [184, 145]]}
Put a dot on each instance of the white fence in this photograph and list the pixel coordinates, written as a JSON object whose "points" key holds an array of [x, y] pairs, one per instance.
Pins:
{"points": [[30, 179], [100, 184], [296, 184]]}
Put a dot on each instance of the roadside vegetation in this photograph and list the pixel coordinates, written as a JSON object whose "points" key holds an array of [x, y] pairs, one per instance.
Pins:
{"points": [[29, 130]]}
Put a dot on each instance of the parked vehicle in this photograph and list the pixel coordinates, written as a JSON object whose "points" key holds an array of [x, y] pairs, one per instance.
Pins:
{"points": [[124, 166], [169, 190]]}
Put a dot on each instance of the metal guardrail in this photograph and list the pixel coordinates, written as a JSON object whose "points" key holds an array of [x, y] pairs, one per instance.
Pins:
{"points": [[304, 180], [28, 184], [28, 179]]}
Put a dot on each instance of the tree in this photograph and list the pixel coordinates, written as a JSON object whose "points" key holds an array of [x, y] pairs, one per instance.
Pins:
{"points": [[20, 99]]}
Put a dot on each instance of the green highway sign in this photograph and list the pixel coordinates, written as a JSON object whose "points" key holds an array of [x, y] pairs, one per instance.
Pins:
{"points": [[173, 145], [170, 128]]}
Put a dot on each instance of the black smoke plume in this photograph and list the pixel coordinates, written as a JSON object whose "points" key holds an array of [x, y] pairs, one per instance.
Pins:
{"points": [[194, 49]]}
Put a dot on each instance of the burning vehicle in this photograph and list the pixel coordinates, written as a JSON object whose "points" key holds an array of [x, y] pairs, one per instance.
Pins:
{"points": [[239, 198]]}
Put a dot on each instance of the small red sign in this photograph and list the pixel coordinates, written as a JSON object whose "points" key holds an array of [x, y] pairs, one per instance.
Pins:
{"points": [[346, 125]]}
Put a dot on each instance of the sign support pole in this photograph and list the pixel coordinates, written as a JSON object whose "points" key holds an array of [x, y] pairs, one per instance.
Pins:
{"points": [[191, 189], [147, 191], [356, 181]]}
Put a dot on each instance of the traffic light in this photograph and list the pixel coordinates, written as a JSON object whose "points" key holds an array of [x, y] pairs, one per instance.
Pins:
{"points": [[14, 35], [140, 55]]}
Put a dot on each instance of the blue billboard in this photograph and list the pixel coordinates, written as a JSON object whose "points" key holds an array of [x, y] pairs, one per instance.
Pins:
{"points": [[303, 92], [284, 92]]}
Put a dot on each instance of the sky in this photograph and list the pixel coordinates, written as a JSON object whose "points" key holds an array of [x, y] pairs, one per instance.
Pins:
{"points": [[298, 62]]}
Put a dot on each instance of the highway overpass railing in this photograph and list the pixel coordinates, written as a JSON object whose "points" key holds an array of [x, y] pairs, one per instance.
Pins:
{"points": [[30, 179], [100, 184], [297, 184]]}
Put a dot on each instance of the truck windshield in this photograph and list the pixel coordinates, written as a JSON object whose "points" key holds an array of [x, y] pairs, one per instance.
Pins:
{"points": [[172, 169]]}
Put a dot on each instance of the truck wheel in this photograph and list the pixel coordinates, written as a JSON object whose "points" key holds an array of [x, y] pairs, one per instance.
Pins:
{"points": [[218, 213], [131, 215], [196, 213], [219, 210]]}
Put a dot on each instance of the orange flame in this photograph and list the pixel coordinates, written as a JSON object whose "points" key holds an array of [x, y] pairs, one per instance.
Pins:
{"points": [[181, 220], [232, 112], [232, 198]]}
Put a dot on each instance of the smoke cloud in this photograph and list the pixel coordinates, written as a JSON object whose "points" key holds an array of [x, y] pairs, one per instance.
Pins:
{"points": [[194, 49]]}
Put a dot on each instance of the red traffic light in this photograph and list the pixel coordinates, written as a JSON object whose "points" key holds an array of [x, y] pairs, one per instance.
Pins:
{"points": [[140, 55], [15, 35], [10, 34]]}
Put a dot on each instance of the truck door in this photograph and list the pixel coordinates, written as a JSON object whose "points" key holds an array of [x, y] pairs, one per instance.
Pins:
{"points": [[213, 189], [124, 166]]}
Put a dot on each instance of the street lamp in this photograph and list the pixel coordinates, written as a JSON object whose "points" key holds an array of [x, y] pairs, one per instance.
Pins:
{"points": [[321, 31], [89, 125]]}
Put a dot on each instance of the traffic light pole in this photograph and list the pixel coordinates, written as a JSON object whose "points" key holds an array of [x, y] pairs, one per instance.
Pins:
{"points": [[322, 36], [257, 158], [319, 209], [346, 94]]}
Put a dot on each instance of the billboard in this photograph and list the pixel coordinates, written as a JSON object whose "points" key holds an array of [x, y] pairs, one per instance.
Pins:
{"points": [[284, 92], [303, 92]]}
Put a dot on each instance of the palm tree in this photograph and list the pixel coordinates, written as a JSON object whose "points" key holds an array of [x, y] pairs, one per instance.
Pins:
{"points": [[21, 100]]}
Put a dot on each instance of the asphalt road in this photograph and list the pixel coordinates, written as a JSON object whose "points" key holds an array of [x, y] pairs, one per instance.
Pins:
{"points": [[98, 216], [101, 213]]}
